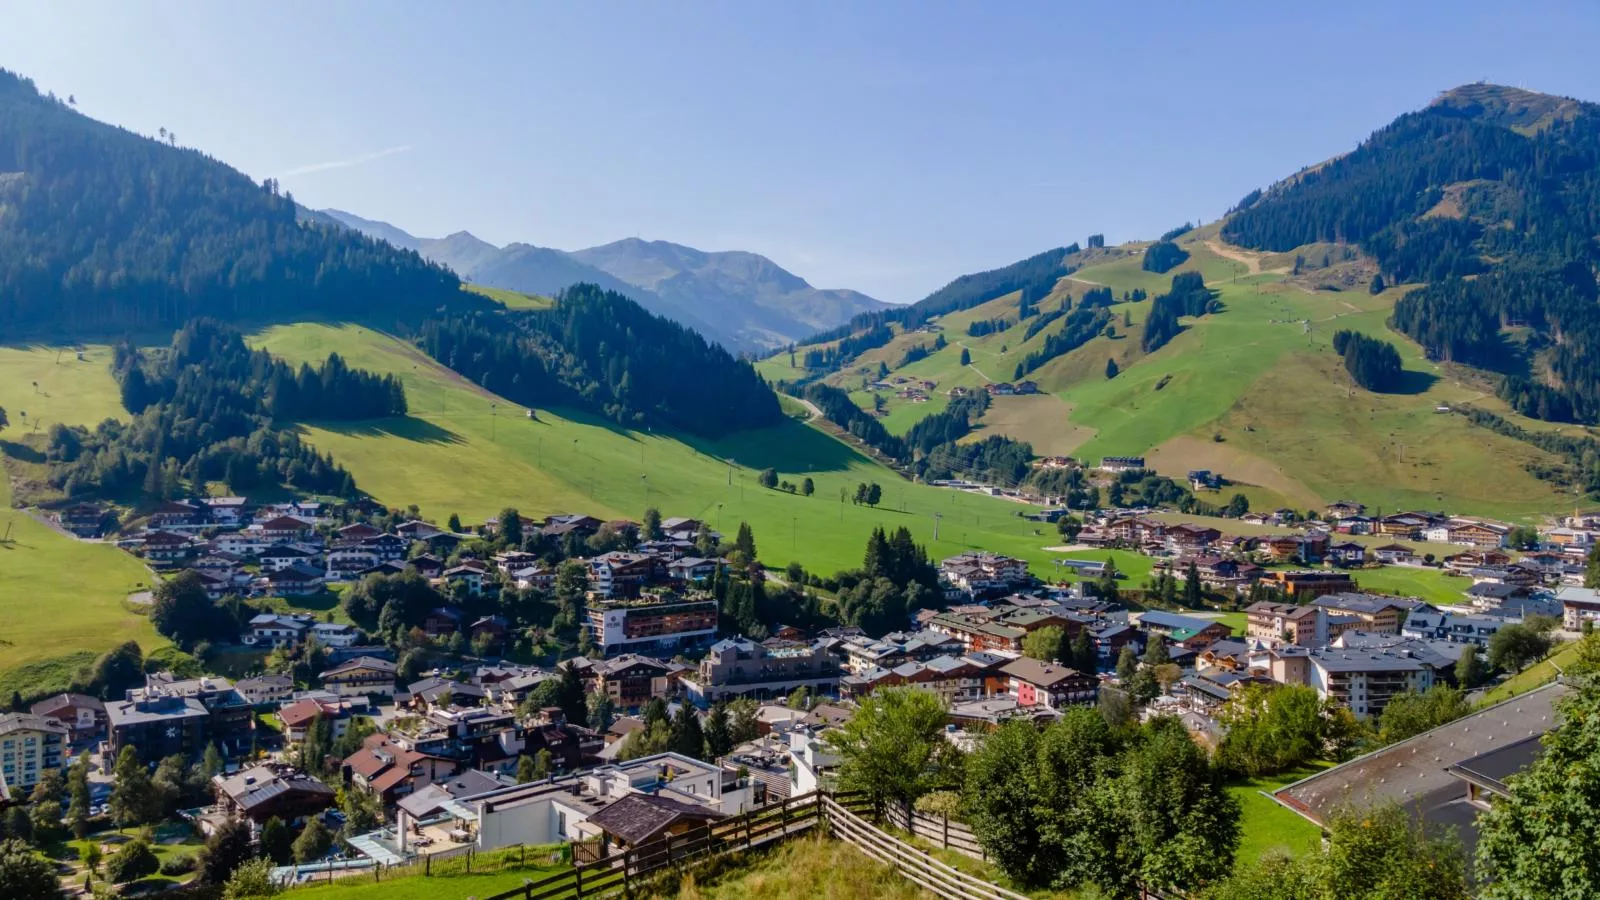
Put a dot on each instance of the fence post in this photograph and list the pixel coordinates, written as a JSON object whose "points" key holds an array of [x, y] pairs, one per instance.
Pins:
{"points": [[577, 880], [668, 838], [783, 814], [427, 866], [469, 860], [946, 842], [746, 830]]}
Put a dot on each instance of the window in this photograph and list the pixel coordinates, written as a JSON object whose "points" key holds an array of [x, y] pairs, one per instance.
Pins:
{"points": [[561, 824]]}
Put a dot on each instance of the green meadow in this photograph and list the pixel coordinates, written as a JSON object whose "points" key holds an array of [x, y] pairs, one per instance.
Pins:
{"points": [[462, 450], [42, 385], [59, 595], [62, 601], [510, 299]]}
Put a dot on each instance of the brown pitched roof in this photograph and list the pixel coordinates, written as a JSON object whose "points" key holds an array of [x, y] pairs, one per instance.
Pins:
{"points": [[636, 818], [1037, 673]]}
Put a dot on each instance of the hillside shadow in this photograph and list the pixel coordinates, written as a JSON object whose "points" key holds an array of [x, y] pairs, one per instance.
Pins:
{"points": [[790, 447], [1414, 383], [1508, 358], [590, 420], [404, 427], [21, 452]]}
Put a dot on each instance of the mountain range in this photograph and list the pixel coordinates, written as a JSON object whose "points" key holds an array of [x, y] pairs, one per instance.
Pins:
{"points": [[743, 300]]}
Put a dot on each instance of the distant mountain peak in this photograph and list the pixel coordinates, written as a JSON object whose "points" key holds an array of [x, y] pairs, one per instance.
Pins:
{"points": [[735, 297]]}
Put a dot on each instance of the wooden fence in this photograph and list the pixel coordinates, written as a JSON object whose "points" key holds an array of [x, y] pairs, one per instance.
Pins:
{"points": [[843, 815], [620, 871], [938, 830], [915, 865]]}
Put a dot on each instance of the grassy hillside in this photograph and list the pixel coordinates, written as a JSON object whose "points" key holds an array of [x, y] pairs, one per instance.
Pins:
{"points": [[60, 596], [802, 867], [510, 299], [466, 451], [1254, 392], [51, 384], [62, 601]]}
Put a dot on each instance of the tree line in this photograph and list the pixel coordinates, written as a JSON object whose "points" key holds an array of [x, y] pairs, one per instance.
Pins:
{"points": [[847, 348], [1372, 363], [930, 447], [994, 460], [598, 351], [1081, 326], [1188, 296], [1163, 256], [208, 408], [1035, 276], [982, 327]]}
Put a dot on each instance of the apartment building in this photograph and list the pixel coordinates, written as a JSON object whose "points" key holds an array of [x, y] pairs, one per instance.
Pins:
{"points": [[30, 746], [655, 622], [738, 667]]}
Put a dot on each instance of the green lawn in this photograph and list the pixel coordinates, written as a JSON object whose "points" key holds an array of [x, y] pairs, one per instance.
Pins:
{"points": [[420, 887], [1265, 825], [1432, 585], [465, 451], [1238, 621]]}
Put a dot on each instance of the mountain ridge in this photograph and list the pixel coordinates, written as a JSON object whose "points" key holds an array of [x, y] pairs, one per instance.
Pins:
{"points": [[737, 297]]}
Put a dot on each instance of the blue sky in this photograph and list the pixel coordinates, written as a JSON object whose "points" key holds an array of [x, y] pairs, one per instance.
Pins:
{"points": [[883, 146]]}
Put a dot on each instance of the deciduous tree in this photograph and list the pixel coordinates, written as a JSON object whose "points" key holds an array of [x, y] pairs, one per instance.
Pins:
{"points": [[26, 875], [314, 841], [1046, 644], [893, 748], [1514, 646], [132, 861]]}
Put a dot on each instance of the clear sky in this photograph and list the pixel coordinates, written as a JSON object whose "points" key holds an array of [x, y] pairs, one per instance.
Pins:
{"points": [[883, 146]]}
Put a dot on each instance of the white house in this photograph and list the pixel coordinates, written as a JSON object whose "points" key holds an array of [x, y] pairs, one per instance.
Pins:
{"points": [[335, 634], [275, 630], [554, 810]]}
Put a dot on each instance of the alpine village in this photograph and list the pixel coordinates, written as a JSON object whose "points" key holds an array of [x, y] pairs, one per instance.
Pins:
{"points": [[1258, 559]]}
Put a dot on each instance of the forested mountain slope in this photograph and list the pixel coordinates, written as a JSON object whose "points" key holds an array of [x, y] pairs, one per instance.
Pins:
{"points": [[598, 351], [104, 228], [1490, 199]]}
